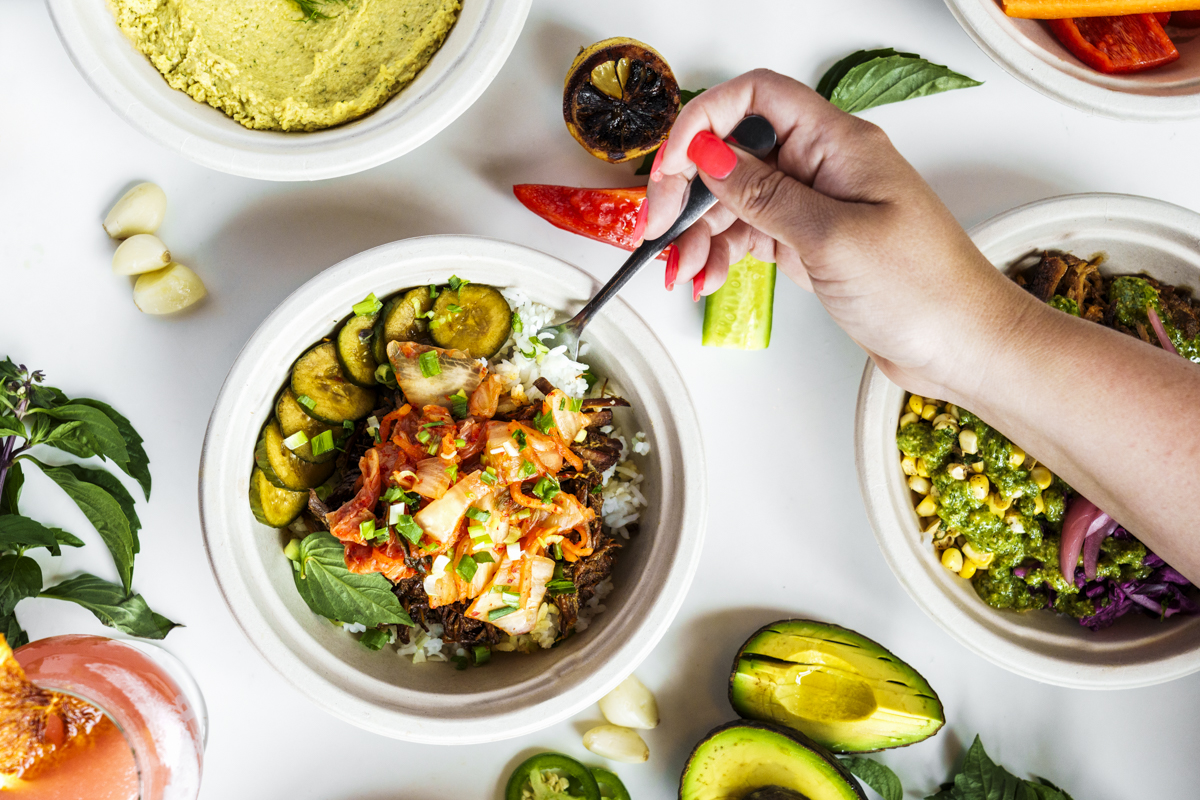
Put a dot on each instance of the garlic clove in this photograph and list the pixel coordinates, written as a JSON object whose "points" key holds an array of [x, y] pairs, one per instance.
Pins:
{"points": [[617, 744], [630, 704], [140, 210], [167, 290], [142, 252]]}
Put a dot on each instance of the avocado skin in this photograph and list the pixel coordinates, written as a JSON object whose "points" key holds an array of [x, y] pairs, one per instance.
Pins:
{"points": [[852, 789], [741, 707]]}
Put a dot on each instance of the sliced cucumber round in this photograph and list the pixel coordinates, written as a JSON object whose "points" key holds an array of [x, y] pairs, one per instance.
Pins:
{"points": [[355, 352], [271, 505], [318, 376], [475, 319], [294, 419], [282, 468], [401, 320]]}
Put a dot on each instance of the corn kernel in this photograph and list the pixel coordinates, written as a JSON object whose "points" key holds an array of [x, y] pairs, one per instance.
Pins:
{"points": [[968, 440], [922, 468], [998, 503], [919, 484], [968, 569], [954, 411], [940, 418], [980, 559], [927, 507], [1039, 505], [908, 419], [929, 412], [957, 471], [931, 526], [1042, 477], [1016, 456], [909, 465], [916, 403], [979, 486], [977, 467], [1014, 522], [952, 559]]}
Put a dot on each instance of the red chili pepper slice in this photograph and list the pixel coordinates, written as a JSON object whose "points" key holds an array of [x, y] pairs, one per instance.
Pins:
{"points": [[1116, 45], [606, 215]]}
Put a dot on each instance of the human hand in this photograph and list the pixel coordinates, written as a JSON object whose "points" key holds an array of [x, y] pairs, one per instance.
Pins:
{"points": [[840, 212]]}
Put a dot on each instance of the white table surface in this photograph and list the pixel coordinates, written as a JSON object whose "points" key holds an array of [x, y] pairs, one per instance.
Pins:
{"points": [[801, 548]]}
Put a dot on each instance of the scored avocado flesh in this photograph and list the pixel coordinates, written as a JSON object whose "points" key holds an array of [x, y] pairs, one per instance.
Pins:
{"points": [[741, 758], [842, 689]]}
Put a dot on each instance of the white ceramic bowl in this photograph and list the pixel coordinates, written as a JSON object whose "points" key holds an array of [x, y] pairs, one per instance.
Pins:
{"points": [[1031, 54], [1138, 235], [514, 694], [471, 57]]}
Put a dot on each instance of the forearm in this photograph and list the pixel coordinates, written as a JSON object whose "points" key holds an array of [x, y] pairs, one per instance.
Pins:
{"points": [[1113, 416]]}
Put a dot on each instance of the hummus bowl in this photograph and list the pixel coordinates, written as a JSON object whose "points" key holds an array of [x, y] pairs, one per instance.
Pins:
{"points": [[458, 73], [431, 702], [1027, 50], [1137, 235]]}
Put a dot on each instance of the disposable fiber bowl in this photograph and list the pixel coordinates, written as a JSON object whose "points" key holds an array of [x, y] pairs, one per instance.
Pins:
{"points": [[514, 694], [1137, 235], [455, 77], [1027, 50]]}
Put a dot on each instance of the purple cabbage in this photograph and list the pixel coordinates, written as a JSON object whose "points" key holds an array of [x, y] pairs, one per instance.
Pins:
{"points": [[1161, 594]]}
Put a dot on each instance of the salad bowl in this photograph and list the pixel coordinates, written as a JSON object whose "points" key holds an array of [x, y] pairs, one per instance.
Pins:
{"points": [[1136, 235], [514, 694], [1028, 51]]}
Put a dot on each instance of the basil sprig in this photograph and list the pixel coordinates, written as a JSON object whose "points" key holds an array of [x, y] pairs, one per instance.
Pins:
{"points": [[876, 775], [983, 779], [33, 415], [333, 591], [870, 78]]}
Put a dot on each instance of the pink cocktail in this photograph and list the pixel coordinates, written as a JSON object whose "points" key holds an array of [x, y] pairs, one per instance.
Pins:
{"points": [[151, 742]]}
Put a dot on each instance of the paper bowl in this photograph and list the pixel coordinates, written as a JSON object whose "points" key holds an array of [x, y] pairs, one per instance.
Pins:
{"points": [[1137, 235], [1027, 50], [471, 57], [432, 702]]}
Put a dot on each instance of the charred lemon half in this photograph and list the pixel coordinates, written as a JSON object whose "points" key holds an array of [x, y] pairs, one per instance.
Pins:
{"points": [[620, 99]]}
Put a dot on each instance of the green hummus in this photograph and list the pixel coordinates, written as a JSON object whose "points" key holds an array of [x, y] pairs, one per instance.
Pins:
{"points": [[268, 68]]}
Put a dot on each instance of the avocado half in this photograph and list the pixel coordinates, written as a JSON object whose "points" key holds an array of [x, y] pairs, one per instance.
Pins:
{"points": [[740, 759], [845, 691]]}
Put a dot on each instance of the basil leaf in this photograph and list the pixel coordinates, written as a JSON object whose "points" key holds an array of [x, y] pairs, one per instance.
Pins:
{"points": [[20, 577], [892, 79], [97, 432], [13, 633], [11, 426], [878, 776], [333, 591], [12, 489], [21, 532], [66, 539], [114, 487], [833, 76], [102, 510], [685, 96], [983, 779], [113, 606], [138, 465]]}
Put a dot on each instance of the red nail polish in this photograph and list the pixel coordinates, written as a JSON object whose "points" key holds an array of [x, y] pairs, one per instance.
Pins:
{"points": [[655, 168], [639, 224], [672, 266], [697, 285], [712, 155]]}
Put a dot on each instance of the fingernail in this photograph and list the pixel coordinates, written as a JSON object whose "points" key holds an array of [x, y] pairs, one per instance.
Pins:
{"points": [[656, 167], [712, 155], [672, 266], [639, 224], [697, 285]]}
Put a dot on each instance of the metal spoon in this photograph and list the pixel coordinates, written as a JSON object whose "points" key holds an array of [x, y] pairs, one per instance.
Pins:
{"points": [[754, 135]]}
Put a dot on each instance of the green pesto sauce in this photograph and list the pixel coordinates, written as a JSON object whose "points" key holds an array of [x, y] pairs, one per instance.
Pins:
{"points": [[1065, 304], [1132, 296], [987, 532]]}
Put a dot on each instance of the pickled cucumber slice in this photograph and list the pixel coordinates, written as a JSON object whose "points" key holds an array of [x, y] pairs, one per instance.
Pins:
{"points": [[294, 419], [475, 319], [401, 320], [355, 350], [271, 505], [282, 468], [738, 315], [319, 377]]}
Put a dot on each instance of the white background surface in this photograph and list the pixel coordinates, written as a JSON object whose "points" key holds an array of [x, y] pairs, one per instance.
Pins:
{"points": [[787, 534]]}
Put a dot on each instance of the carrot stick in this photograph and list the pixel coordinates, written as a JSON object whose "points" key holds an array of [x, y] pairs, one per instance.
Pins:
{"points": [[1066, 9]]}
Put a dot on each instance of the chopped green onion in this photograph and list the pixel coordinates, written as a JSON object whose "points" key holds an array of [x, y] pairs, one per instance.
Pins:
{"points": [[429, 363], [437, 424], [577, 404], [488, 476], [433, 292], [433, 448], [591, 379], [423, 437], [467, 568], [520, 438], [478, 514], [511, 599], [544, 422], [562, 403], [497, 613], [385, 375], [500, 587], [562, 586], [452, 471], [458, 403], [372, 421], [322, 443], [459, 662], [456, 282], [517, 325], [597, 489], [454, 308], [375, 639], [391, 494], [408, 529], [297, 439], [484, 558], [307, 402], [367, 529], [427, 315], [395, 512], [477, 531], [524, 513], [528, 470], [368, 306], [460, 443], [347, 425], [482, 653], [546, 488], [292, 550], [558, 553]]}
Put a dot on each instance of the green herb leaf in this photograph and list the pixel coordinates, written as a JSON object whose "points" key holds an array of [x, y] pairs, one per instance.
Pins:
{"points": [[520, 438], [333, 591], [114, 487], [833, 76], [21, 532], [891, 79], [546, 488], [113, 606], [878, 776], [11, 426], [102, 509], [12, 489], [409, 529], [375, 639], [467, 568], [983, 779], [138, 466], [20, 577], [14, 634], [544, 422]]}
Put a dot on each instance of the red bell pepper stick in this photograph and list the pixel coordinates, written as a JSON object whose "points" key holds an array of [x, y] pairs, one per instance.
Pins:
{"points": [[1186, 19], [606, 215], [1116, 45]]}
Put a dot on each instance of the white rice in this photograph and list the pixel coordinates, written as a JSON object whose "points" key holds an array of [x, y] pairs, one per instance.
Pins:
{"points": [[593, 606], [424, 646]]}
